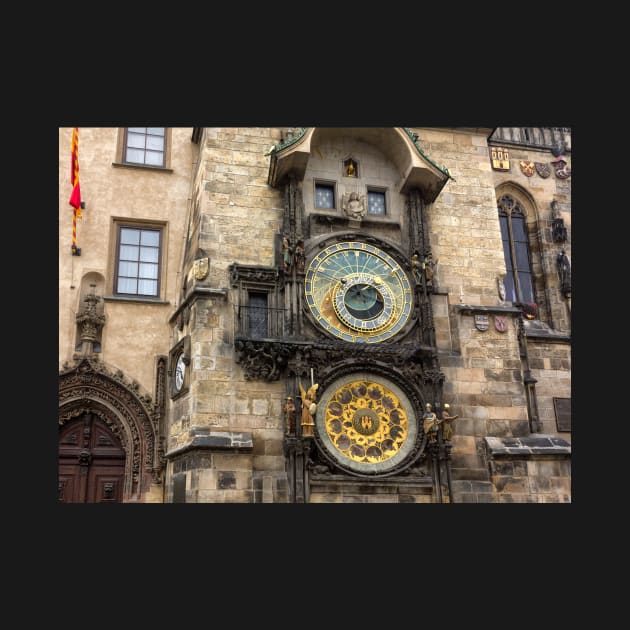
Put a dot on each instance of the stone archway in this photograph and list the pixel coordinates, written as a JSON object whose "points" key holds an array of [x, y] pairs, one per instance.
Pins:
{"points": [[89, 389]]}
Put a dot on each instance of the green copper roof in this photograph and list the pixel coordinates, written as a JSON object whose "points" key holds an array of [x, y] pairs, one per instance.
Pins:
{"points": [[289, 142], [412, 136]]}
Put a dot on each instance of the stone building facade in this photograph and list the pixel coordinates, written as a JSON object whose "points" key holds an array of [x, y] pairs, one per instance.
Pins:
{"points": [[273, 315]]}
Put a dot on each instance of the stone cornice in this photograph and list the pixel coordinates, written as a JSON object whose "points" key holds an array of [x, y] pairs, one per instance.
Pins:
{"points": [[194, 294]]}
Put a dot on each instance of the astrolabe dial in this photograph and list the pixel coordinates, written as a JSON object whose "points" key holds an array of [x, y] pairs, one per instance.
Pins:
{"points": [[357, 292], [366, 423]]}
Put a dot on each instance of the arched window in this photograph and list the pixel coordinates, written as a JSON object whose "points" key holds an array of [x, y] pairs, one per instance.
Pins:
{"points": [[518, 281]]}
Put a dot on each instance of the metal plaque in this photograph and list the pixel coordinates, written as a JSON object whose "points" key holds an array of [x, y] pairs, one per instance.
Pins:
{"points": [[179, 488], [562, 407]]}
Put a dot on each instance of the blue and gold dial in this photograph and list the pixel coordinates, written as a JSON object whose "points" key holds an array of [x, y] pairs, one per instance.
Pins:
{"points": [[358, 292]]}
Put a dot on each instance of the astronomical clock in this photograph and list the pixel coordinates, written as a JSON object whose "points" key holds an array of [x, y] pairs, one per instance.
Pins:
{"points": [[358, 293]]}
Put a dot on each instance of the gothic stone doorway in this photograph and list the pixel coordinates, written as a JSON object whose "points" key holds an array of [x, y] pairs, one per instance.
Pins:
{"points": [[91, 462]]}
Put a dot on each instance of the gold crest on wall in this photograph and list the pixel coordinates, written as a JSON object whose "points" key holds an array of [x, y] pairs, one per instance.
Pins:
{"points": [[528, 168], [500, 158], [200, 268]]}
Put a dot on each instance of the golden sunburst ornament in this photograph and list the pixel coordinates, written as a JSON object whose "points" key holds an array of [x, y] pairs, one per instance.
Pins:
{"points": [[366, 422]]}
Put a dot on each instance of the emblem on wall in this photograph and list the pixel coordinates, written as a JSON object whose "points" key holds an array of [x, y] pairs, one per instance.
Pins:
{"points": [[353, 205], [530, 310], [563, 170], [527, 168], [501, 288], [543, 169], [500, 323], [200, 268], [500, 159], [482, 322]]}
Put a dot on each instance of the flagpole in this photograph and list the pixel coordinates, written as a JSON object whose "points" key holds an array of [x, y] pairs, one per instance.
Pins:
{"points": [[75, 197], [75, 250]]}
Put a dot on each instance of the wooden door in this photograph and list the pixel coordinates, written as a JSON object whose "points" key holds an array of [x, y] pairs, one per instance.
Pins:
{"points": [[91, 462]]}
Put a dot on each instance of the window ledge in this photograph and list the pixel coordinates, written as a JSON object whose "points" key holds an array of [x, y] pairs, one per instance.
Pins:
{"points": [[144, 167], [135, 300], [537, 444], [338, 215]]}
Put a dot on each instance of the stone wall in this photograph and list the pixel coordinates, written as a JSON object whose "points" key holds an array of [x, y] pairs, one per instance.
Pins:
{"points": [[132, 331], [239, 216]]}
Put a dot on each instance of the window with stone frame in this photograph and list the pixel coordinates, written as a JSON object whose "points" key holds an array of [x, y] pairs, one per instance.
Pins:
{"points": [[145, 145], [325, 195], [258, 309], [137, 271], [376, 200], [518, 281]]}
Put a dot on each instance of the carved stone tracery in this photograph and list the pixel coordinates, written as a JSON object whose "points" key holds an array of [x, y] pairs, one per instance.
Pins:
{"points": [[90, 387]]}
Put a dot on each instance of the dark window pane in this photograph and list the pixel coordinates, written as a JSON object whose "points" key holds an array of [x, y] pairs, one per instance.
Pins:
{"points": [[510, 293], [519, 231], [527, 290], [376, 202], [324, 196], [257, 314], [505, 235], [522, 257], [506, 202], [507, 254]]}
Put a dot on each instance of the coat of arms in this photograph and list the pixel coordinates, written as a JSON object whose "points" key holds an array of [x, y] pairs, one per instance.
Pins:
{"points": [[543, 169], [481, 322], [500, 323], [527, 167], [563, 170], [500, 159], [200, 268]]}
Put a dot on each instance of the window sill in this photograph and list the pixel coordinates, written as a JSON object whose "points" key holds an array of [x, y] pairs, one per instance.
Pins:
{"points": [[135, 300], [338, 215], [144, 167]]}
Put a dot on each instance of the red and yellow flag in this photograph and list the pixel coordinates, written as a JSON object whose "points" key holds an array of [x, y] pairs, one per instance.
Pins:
{"points": [[75, 197]]}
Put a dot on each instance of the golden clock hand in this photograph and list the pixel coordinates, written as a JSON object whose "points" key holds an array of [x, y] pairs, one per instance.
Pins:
{"points": [[338, 279]]}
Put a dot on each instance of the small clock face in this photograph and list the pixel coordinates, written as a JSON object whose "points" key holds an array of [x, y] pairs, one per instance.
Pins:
{"points": [[366, 423], [180, 369], [357, 292]]}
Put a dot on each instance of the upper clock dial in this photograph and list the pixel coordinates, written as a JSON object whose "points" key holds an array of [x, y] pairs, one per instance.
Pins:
{"points": [[357, 292]]}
